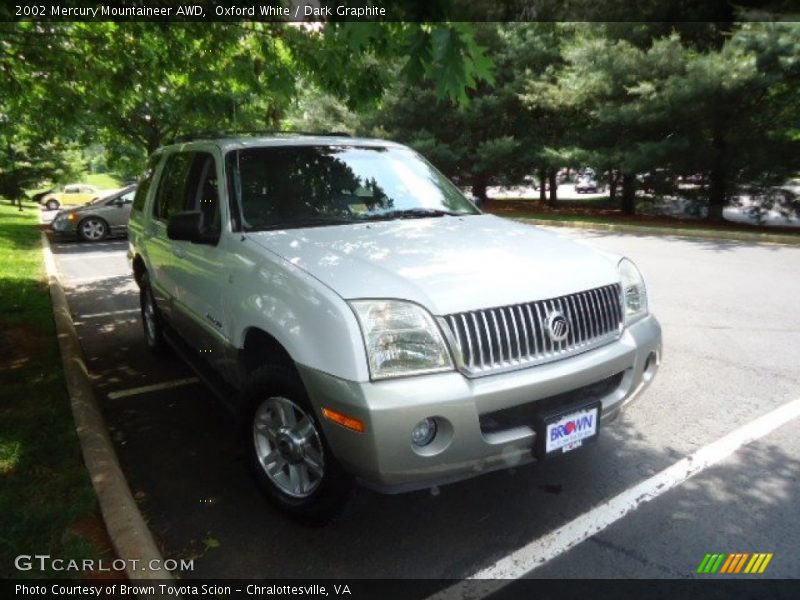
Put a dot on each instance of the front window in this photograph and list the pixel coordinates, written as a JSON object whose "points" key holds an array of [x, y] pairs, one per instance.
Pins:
{"points": [[283, 187]]}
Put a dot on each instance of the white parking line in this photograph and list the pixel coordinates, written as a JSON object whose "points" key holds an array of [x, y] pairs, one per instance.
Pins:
{"points": [[110, 313], [91, 279], [94, 244], [109, 254], [157, 387], [559, 541]]}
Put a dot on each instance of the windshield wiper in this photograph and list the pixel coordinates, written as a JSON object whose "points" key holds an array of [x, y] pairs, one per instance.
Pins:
{"points": [[415, 213], [307, 222]]}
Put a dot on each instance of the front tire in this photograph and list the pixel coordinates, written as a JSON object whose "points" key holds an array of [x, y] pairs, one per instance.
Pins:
{"points": [[287, 451], [52, 204], [92, 229], [151, 318]]}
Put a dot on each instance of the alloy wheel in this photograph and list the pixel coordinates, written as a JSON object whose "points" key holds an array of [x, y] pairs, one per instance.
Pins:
{"points": [[93, 230], [288, 447]]}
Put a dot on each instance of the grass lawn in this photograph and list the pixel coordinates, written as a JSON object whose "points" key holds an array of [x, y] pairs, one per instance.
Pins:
{"points": [[104, 181], [47, 504], [101, 180]]}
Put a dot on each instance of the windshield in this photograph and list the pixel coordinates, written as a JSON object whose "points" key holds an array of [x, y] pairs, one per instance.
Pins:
{"points": [[304, 186]]}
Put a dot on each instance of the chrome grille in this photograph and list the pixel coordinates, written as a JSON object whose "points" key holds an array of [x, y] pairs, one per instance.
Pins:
{"points": [[508, 337]]}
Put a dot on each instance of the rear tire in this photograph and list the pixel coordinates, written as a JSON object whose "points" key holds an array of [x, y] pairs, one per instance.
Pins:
{"points": [[151, 318], [52, 205], [287, 451]]}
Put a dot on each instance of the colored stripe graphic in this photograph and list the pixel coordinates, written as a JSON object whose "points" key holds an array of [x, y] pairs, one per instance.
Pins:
{"points": [[741, 562], [728, 562], [765, 563], [734, 563], [754, 563], [703, 563]]}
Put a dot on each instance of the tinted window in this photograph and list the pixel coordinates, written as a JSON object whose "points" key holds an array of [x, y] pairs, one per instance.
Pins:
{"points": [[144, 184], [296, 186], [203, 192], [171, 197]]}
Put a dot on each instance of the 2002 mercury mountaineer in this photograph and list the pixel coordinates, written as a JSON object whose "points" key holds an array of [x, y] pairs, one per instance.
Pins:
{"points": [[368, 323]]}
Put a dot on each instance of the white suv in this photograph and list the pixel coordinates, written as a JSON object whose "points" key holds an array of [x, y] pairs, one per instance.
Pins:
{"points": [[368, 323]]}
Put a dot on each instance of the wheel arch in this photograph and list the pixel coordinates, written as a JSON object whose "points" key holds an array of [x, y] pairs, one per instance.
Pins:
{"points": [[139, 269], [260, 348]]}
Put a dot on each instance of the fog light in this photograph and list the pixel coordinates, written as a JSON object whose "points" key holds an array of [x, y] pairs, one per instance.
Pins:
{"points": [[424, 432]]}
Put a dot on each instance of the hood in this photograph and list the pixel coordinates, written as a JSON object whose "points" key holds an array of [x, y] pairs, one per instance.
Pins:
{"points": [[71, 209], [447, 264]]}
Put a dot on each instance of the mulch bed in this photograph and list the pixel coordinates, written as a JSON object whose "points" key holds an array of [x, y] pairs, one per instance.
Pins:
{"points": [[571, 209]]}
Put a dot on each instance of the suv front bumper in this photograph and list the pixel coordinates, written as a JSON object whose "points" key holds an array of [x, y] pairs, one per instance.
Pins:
{"points": [[384, 458]]}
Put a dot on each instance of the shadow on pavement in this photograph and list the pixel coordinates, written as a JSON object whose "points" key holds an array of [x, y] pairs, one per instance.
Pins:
{"points": [[183, 460]]}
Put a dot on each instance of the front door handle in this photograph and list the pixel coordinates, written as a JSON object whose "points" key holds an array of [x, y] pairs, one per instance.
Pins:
{"points": [[179, 252]]}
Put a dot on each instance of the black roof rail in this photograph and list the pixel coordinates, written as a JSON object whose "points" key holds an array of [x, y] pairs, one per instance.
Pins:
{"points": [[210, 134]]}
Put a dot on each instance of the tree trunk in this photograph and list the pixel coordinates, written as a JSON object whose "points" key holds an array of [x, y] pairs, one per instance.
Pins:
{"points": [[613, 180], [479, 190], [628, 194], [153, 143], [551, 179], [717, 188], [542, 186]]}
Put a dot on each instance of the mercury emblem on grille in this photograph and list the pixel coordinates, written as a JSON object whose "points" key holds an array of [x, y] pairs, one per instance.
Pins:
{"points": [[557, 326]]}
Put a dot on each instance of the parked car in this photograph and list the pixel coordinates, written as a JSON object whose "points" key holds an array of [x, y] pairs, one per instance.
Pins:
{"points": [[40, 195], [588, 185], [103, 217], [367, 323], [73, 194]]}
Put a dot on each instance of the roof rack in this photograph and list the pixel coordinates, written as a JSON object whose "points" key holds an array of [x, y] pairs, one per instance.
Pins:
{"points": [[210, 134]]}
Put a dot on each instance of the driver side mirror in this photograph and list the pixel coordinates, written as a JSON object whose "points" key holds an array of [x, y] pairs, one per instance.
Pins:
{"points": [[188, 227]]}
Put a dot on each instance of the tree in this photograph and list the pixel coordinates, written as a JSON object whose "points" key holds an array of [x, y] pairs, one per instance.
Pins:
{"points": [[609, 86], [712, 98], [29, 152], [139, 84], [492, 138], [739, 111]]}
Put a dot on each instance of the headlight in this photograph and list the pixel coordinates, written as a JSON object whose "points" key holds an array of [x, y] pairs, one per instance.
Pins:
{"points": [[401, 338], [633, 291]]}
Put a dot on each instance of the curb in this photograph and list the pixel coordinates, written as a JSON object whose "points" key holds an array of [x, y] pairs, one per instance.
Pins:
{"points": [[736, 236], [130, 536]]}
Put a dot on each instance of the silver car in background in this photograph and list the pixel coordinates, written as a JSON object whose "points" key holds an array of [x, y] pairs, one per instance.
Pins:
{"points": [[101, 218]]}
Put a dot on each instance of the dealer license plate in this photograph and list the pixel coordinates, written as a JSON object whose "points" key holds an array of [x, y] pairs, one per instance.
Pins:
{"points": [[571, 430]]}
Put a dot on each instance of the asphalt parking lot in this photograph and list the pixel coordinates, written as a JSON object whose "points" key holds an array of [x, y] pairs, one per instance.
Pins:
{"points": [[731, 333]]}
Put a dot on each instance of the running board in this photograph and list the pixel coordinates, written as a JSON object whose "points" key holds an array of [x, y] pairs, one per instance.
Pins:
{"points": [[226, 393]]}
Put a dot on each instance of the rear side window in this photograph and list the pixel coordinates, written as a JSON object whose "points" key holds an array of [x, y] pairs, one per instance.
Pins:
{"points": [[203, 192], [144, 184], [172, 197]]}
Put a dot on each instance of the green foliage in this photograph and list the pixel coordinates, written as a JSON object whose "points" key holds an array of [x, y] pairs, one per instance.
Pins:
{"points": [[134, 86], [485, 102], [490, 137]]}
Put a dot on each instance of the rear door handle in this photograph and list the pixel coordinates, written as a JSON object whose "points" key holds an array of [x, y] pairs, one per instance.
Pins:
{"points": [[179, 252]]}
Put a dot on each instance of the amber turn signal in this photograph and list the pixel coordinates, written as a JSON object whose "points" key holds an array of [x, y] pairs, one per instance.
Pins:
{"points": [[343, 420]]}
